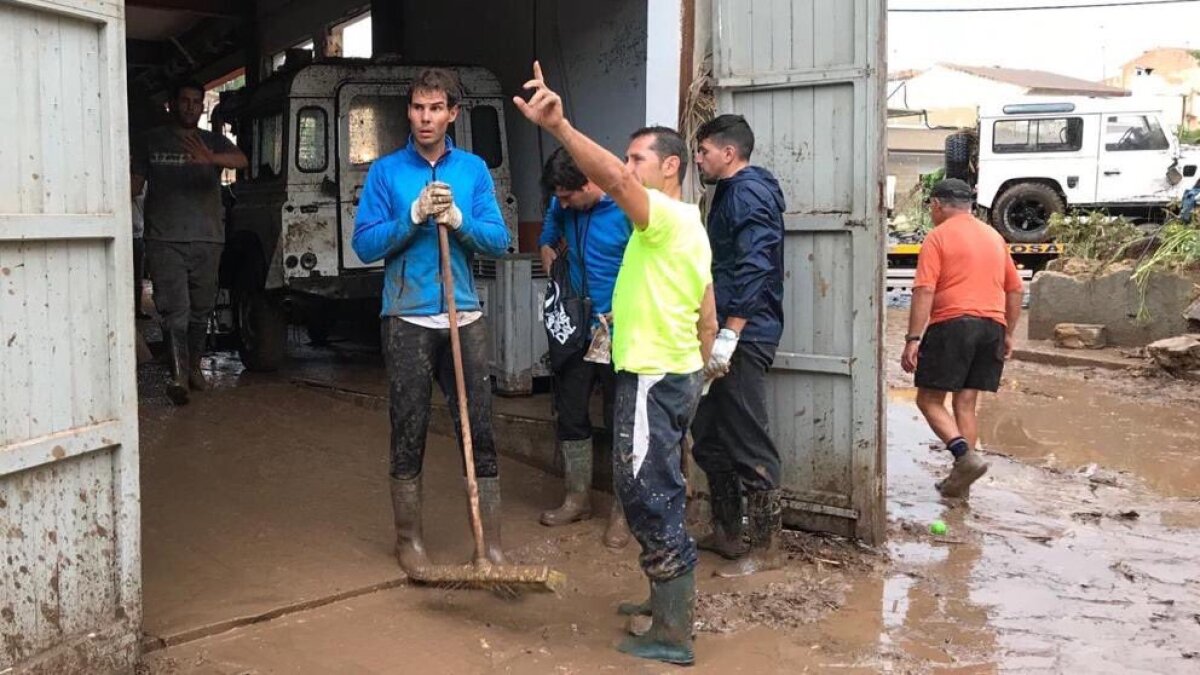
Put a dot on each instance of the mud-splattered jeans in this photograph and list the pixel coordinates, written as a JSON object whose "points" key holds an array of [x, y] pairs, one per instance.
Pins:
{"points": [[732, 432], [651, 416], [414, 356]]}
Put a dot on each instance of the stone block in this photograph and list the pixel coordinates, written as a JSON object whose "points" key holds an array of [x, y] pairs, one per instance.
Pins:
{"points": [[1177, 354], [1080, 336]]}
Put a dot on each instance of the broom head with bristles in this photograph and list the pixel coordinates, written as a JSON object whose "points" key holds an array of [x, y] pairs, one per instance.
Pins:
{"points": [[509, 580]]}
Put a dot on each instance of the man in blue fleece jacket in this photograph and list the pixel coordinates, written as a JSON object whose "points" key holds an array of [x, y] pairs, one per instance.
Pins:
{"points": [[733, 442], [407, 196], [595, 231]]}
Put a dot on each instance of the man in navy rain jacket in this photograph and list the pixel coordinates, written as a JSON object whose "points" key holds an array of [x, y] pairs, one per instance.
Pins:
{"points": [[409, 194], [731, 429]]}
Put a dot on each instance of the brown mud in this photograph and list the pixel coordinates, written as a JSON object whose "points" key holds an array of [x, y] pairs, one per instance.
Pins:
{"points": [[263, 495]]}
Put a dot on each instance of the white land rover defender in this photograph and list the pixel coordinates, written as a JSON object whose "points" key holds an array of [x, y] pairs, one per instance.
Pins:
{"points": [[1030, 160], [311, 133]]}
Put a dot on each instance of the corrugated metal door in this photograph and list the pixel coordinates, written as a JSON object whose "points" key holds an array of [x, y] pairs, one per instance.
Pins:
{"points": [[807, 74], [70, 585]]}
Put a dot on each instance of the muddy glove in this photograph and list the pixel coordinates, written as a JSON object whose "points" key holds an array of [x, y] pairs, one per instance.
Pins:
{"points": [[451, 217], [433, 200], [722, 354]]}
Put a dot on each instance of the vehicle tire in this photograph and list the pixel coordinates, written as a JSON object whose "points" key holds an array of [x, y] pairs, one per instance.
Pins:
{"points": [[262, 329], [1022, 212], [959, 149]]}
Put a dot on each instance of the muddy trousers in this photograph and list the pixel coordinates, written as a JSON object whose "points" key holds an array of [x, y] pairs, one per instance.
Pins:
{"points": [[651, 415], [731, 433], [573, 386], [185, 282], [414, 356]]}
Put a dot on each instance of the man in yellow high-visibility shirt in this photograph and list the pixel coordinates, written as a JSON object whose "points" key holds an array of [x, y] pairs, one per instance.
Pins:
{"points": [[664, 319]]}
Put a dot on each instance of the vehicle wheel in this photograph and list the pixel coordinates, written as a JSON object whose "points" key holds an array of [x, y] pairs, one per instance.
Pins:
{"points": [[959, 149], [1022, 213], [262, 330]]}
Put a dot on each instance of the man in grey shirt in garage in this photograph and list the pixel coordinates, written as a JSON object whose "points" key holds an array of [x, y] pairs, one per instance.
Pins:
{"points": [[181, 166]]}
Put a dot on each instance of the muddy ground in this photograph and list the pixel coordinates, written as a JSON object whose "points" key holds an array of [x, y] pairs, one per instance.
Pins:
{"points": [[267, 541]]}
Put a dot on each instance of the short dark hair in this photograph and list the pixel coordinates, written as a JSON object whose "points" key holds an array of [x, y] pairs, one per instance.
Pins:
{"points": [[667, 143], [953, 192], [729, 130], [179, 87], [561, 172], [439, 80]]}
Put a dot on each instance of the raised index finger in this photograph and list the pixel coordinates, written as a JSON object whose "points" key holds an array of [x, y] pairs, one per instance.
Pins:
{"points": [[537, 71]]}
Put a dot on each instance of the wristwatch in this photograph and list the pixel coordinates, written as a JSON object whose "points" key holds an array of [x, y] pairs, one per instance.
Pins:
{"points": [[911, 338]]}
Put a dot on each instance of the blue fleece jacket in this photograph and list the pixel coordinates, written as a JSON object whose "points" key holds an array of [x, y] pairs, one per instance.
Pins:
{"points": [[383, 228], [605, 230], [745, 229]]}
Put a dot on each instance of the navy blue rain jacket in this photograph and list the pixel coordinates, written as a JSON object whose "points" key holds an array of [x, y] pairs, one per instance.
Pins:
{"points": [[745, 228]]}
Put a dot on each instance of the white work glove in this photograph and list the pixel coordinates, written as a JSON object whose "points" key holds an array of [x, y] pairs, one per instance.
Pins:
{"points": [[722, 354], [434, 199], [451, 217]]}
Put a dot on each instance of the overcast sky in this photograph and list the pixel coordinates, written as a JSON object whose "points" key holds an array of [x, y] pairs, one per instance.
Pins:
{"points": [[1086, 43]]}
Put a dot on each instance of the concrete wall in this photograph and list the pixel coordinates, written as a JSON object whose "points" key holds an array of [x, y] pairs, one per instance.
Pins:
{"points": [[1112, 300], [592, 53]]}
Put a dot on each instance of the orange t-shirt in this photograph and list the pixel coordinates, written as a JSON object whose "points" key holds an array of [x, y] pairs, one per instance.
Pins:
{"points": [[967, 265]]}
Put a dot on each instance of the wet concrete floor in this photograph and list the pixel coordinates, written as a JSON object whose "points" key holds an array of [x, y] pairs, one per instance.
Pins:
{"points": [[264, 498]]}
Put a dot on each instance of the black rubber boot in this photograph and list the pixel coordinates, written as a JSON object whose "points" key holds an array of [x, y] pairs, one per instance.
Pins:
{"points": [[725, 498], [197, 341], [177, 386], [577, 475], [406, 509], [670, 636], [489, 511], [766, 522]]}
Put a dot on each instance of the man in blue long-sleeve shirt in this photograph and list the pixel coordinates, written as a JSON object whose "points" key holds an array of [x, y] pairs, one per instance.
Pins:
{"points": [[407, 196], [595, 231], [731, 429]]}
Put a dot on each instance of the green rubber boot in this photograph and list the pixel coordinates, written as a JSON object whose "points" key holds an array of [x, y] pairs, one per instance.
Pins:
{"points": [[670, 637]]}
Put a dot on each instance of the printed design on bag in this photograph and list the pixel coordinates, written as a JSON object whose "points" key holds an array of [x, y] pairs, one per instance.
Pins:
{"points": [[558, 322]]}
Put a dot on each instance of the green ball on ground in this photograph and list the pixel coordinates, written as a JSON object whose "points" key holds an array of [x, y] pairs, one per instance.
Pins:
{"points": [[937, 527]]}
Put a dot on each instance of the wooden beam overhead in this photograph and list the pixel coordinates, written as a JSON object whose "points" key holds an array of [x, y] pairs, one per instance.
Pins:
{"points": [[219, 8]]}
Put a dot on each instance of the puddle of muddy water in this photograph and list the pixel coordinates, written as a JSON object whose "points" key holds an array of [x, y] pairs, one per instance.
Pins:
{"points": [[1017, 583]]}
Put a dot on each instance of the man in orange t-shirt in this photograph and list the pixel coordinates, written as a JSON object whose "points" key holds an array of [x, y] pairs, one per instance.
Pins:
{"points": [[965, 305]]}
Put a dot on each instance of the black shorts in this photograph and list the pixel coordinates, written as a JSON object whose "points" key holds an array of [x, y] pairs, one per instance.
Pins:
{"points": [[962, 353]]}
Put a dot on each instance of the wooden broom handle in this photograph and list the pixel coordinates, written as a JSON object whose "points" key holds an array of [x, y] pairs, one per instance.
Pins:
{"points": [[460, 387]]}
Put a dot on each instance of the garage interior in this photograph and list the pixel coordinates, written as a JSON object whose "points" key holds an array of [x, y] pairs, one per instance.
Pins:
{"points": [[247, 516]]}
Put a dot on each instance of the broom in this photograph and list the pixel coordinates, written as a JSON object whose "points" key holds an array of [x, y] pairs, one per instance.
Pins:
{"points": [[482, 573]]}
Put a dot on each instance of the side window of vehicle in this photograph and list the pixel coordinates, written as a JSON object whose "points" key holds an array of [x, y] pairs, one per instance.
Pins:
{"points": [[312, 139], [485, 135], [1130, 133], [1063, 134]]}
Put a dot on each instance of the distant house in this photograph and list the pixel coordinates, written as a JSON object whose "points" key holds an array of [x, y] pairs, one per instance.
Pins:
{"points": [[1171, 74], [950, 93]]}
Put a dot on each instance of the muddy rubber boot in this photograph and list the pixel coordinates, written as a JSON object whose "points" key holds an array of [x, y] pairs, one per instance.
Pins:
{"points": [[967, 469], [177, 386], [766, 521], [489, 512], [577, 476], [670, 636], [725, 500], [406, 509], [616, 534], [197, 339]]}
